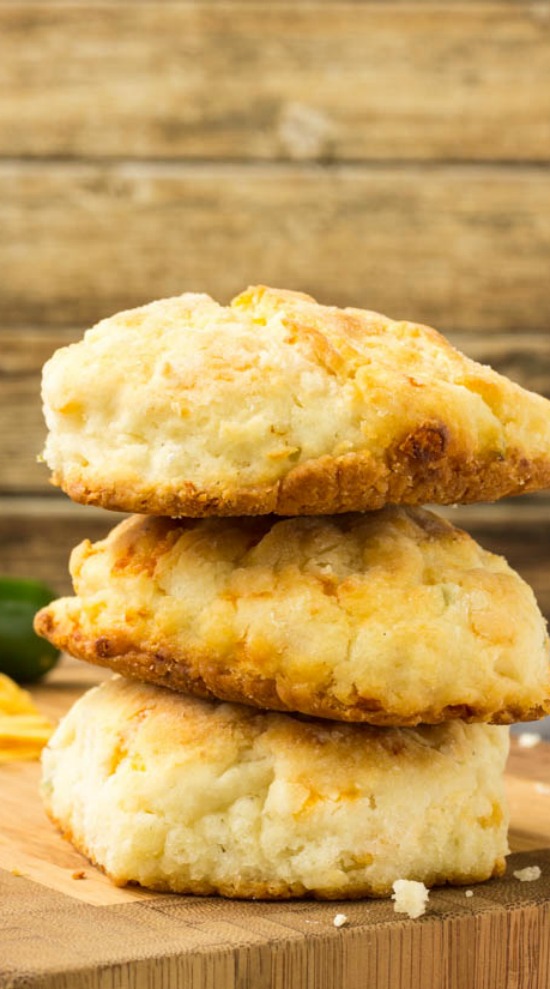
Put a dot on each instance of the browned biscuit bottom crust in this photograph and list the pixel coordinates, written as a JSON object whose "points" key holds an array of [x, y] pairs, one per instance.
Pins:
{"points": [[179, 673], [417, 471]]}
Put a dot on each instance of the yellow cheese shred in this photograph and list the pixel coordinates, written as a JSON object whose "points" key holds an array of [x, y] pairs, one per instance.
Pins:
{"points": [[23, 730]]}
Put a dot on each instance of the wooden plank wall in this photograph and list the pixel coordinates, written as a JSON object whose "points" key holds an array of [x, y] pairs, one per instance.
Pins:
{"points": [[389, 154]]}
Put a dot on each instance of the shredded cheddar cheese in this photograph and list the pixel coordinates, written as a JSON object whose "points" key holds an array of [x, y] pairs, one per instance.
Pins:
{"points": [[23, 730]]}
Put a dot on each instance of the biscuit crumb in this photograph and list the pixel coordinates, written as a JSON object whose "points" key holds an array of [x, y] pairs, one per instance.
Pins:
{"points": [[529, 739], [410, 897], [340, 920], [542, 788], [17, 872], [469, 892], [529, 874], [79, 874]]}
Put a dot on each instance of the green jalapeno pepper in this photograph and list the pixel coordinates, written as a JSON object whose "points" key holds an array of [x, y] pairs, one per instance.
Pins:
{"points": [[24, 656]]}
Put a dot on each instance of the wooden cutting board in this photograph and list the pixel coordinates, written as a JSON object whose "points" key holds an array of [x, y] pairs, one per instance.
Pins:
{"points": [[64, 926]]}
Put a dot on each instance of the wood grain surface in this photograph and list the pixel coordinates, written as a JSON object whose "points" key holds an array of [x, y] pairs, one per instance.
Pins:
{"points": [[60, 931], [317, 80], [461, 248]]}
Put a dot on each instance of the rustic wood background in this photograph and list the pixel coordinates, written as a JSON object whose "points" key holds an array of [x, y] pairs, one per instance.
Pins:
{"points": [[388, 154]]}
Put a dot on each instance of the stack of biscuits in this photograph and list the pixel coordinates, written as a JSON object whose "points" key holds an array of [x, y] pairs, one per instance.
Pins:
{"points": [[314, 674]]}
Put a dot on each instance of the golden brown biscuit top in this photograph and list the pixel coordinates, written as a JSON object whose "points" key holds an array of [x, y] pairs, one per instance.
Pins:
{"points": [[151, 721]]}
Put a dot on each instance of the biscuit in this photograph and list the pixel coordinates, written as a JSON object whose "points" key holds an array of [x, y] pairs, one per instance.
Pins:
{"points": [[393, 617], [276, 404], [185, 795]]}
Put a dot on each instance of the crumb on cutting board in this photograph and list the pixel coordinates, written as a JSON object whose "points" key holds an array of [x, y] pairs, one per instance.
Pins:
{"points": [[529, 739], [410, 897], [340, 920], [529, 874], [78, 874]]}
